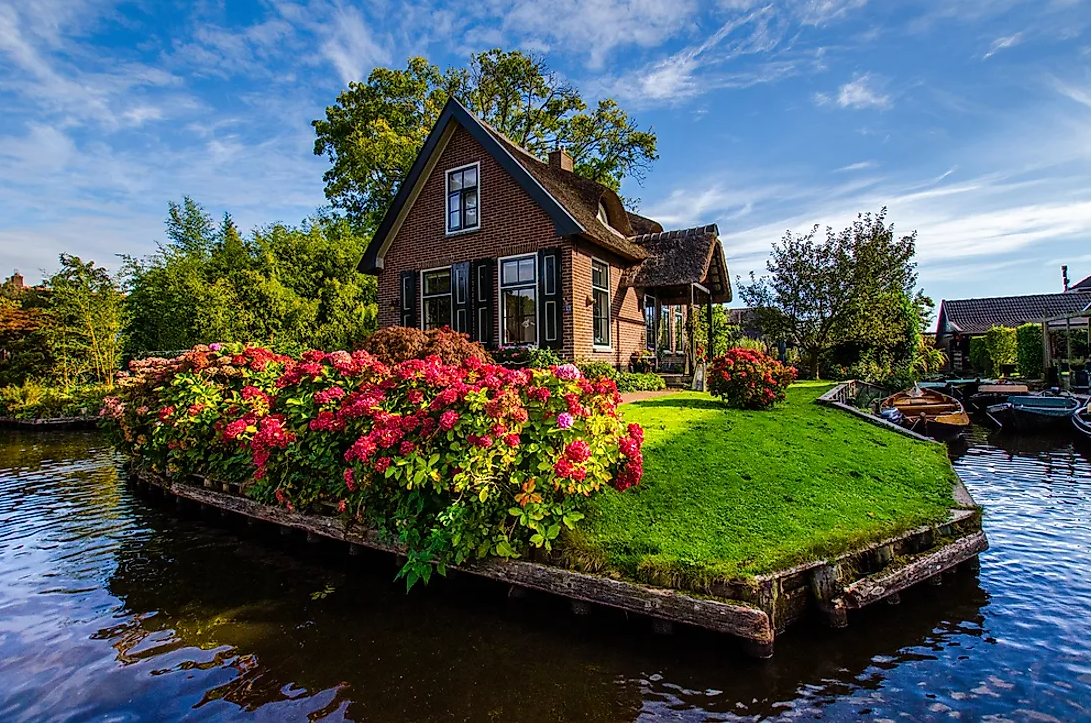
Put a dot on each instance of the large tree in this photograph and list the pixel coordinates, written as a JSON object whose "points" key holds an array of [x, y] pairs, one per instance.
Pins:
{"points": [[851, 286], [372, 133], [87, 314]]}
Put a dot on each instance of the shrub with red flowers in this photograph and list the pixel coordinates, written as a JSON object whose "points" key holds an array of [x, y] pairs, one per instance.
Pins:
{"points": [[454, 461], [748, 379]]}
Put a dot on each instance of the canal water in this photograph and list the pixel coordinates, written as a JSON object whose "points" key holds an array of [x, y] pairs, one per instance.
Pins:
{"points": [[115, 607]]}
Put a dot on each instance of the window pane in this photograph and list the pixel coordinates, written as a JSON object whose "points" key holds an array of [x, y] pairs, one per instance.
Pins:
{"points": [[520, 323], [469, 178], [454, 181], [437, 282], [602, 318], [471, 217], [453, 203], [598, 274], [453, 221], [469, 199], [510, 272], [526, 270], [437, 312]]}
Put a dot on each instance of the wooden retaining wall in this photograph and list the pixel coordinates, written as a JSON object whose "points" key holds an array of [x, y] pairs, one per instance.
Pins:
{"points": [[50, 423], [841, 396], [755, 610]]}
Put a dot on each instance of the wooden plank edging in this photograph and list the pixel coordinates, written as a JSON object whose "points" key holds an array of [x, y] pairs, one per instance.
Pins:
{"points": [[832, 398], [736, 619]]}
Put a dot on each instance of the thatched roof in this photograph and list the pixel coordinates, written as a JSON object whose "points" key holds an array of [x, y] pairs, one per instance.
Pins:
{"points": [[581, 198], [643, 225], [677, 259]]}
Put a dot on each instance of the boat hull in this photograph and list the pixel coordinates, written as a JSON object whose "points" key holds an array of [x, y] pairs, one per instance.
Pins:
{"points": [[1034, 413], [929, 412]]}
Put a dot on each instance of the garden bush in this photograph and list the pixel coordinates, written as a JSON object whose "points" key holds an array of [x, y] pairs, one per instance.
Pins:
{"points": [[396, 344], [625, 381], [748, 379], [1002, 344], [979, 355], [33, 400], [639, 382], [453, 461], [1028, 341]]}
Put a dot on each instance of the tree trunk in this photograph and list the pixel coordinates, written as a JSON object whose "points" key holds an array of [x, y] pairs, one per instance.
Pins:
{"points": [[813, 358]]}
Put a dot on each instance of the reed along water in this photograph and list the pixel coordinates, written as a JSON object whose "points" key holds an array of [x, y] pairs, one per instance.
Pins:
{"points": [[121, 607]]}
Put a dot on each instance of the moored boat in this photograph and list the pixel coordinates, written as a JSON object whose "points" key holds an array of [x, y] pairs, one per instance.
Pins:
{"points": [[1081, 419], [1029, 412], [989, 394], [926, 411]]}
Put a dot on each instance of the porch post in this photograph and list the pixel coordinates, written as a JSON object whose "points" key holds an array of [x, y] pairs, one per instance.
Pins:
{"points": [[691, 352], [711, 329]]}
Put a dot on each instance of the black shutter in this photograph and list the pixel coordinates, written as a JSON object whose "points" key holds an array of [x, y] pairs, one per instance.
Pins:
{"points": [[460, 297], [483, 300], [407, 299], [551, 335]]}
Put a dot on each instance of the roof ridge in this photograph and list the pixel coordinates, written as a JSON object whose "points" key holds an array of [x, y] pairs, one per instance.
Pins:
{"points": [[677, 233]]}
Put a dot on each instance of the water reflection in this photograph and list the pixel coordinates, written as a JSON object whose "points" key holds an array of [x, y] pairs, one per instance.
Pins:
{"points": [[127, 608]]}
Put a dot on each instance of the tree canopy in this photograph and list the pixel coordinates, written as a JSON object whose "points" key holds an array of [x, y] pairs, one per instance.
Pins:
{"points": [[852, 286], [292, 287], [374, 130]]}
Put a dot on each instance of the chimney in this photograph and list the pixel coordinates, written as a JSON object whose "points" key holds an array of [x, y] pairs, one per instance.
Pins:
{"points": [[560, 159], [1064, 269]]}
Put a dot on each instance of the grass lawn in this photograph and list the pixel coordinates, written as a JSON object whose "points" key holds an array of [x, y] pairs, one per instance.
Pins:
{"points": [[729, 493]]}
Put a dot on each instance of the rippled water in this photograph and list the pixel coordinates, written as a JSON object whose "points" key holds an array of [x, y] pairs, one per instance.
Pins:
{"points": [[115, 607]]}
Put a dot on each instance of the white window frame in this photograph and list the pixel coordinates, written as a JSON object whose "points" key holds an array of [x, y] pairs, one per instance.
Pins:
{"points": [[447, 199], [609, 345], [502, 340], [450, 293]]}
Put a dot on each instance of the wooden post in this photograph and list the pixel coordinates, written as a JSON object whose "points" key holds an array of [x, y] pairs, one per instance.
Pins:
{"points": [[825, 586], [711, 329]]}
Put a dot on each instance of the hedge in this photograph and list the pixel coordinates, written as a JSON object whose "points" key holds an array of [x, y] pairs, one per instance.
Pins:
{"points": [[1029, 353]]}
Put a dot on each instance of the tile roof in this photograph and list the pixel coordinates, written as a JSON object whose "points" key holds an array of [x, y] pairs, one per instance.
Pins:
{"points": [[976, 316]]}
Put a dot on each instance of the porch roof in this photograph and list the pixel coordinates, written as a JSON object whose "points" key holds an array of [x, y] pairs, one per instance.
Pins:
{"points": [[677, 259]]}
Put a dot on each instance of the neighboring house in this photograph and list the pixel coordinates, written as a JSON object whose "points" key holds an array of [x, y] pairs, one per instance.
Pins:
{"points": [[487, 239], [962, 319]]}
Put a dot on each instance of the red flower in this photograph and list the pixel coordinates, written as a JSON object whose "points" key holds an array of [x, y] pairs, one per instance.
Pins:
{"points": [[577, 451], [448, 420], [350, 480], [512, 440], [382, 463], [636, 432], [406, 448]]}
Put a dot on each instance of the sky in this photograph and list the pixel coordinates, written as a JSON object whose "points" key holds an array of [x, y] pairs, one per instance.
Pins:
{"points": [[970, 120]]}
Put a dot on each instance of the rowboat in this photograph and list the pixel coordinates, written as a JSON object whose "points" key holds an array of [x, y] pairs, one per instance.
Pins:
{"points": [[1029, 412], [1081, 419], [926, 411], [990, 394]]}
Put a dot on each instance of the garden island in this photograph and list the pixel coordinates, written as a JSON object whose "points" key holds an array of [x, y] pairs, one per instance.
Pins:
{"points": [[497, 295]]}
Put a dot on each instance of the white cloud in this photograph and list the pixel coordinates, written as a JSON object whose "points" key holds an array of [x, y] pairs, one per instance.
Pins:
{"points": [[861, 166], [351, 46], [1008, 41], [863, 91]]}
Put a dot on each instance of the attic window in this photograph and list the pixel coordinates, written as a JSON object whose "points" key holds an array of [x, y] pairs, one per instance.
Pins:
{"points": [[602, 215], [462, 198]]}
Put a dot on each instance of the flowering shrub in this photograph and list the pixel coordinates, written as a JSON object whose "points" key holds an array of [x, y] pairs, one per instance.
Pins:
{"points": [[748, 379], [453, 461], [395, 344]]}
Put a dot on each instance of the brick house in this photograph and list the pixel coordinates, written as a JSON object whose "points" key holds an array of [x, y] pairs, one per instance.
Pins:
{"points": [[489, 240]]}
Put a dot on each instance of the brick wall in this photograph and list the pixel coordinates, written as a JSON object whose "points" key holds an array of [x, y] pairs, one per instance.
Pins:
{"points": [[511, 223], [626, 316]]}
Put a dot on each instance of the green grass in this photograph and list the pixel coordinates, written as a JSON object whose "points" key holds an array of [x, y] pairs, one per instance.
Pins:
{"points": [[729, 493]]}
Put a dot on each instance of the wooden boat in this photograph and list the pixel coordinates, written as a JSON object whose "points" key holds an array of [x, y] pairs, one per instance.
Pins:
{"points": [[990, 394], [1081, 419], [926, 411], [1030, 412]]}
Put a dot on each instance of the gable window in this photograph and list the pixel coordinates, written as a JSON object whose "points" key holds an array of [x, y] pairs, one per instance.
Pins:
{"points": [[435, 292], [600, 292], [462, 199], [519, 300], [601, 215]]}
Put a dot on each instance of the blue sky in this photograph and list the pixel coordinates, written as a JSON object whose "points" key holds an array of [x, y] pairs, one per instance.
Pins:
{"points": [[969, 119]]}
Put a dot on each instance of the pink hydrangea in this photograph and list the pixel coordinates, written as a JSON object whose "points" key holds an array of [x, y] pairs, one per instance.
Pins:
{"points": [[448, 420], [564, 420], [567, 372]]}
